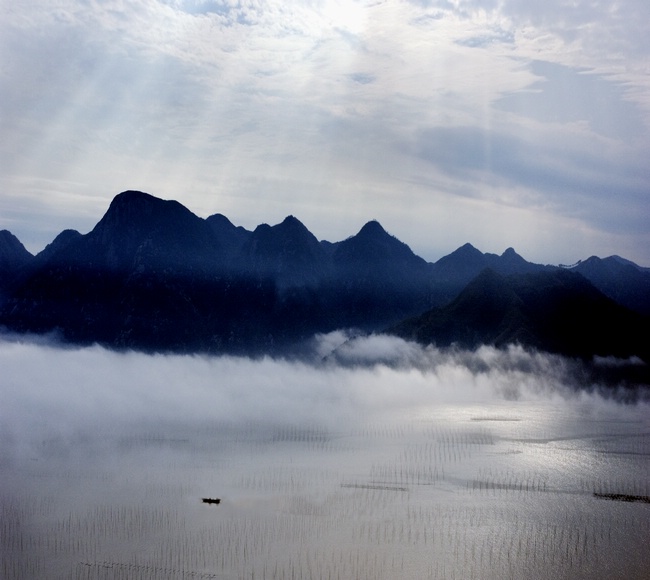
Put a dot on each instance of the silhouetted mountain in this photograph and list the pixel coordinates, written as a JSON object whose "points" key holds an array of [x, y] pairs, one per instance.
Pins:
{"points": [[12, 253], [620, 279], [288, 252], [629, 263], [152, 275], [454, 271], [510, 262], [147, 276], [375, 279], [373, 250], [464, 263], [556, 311], [143, 231], [229, 237], [13, 257], [56, 247]]}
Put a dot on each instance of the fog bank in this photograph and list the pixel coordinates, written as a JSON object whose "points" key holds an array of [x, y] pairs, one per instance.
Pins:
{"points": [[46, 387], [373, 458]]}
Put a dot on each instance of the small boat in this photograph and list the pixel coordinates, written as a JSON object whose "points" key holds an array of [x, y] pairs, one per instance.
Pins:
{"points": [[214, 501]]}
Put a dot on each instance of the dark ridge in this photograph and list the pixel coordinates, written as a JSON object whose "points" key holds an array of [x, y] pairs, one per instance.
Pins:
{"points": [[12, 252], [229, 237], [154, 276], [62, 241], [558, 311], [14, 257], [287, 252], [373, 246], [621, 280]]}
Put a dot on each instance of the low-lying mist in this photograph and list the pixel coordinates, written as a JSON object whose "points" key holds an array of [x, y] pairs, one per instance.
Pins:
{"points": [[49, 387], [369, 457]]}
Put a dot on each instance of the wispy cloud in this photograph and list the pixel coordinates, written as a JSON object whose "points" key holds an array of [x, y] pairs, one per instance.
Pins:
{"points": [[259, 110]]}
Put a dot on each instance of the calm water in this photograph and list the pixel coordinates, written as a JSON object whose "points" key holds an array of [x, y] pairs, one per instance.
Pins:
{"points": [[416, 487]]}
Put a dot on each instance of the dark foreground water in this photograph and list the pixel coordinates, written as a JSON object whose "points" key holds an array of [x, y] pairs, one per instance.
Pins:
{"points": [[322, 473]]}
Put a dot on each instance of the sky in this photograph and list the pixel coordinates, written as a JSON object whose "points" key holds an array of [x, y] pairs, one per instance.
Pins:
{"points": [[498, 122]]}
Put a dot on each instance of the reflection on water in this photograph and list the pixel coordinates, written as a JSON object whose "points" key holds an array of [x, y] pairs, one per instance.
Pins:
{"points": [[504, 489], [450, 492]]}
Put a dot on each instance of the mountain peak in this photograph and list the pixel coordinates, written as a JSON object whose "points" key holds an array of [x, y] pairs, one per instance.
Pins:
{"points": [[556, 311], [291, 223], [135, 209], [219, 220], [511, 256], [372, 229], [131, 195], [12, 251], [64, 239], [373, 249], [139, 226], [467, 257], [467, 250], [288, 252], [291, 220]]}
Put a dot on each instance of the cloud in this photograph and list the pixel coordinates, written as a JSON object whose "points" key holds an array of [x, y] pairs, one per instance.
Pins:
{"points": [[506, 370], [88, 406], [323, 109], [568, 95], [87, 388], [362, 78], [570, 173]]}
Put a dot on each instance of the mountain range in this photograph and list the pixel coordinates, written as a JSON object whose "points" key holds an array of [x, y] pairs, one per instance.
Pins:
{"points": [[152, 275]]}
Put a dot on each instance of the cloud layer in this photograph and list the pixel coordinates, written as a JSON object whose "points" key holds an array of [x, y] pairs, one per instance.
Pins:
{"points": [[65, 394], [496, 123]]}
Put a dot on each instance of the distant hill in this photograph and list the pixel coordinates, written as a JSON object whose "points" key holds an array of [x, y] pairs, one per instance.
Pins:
{"points": [[556, 311], [375, 279], [154, 276], [288, 252], [619, 279], [56, 248], [13, 257], [454, 271]]}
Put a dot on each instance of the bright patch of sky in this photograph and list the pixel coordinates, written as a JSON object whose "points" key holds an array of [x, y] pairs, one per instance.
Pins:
{"points": [[509, 123]]}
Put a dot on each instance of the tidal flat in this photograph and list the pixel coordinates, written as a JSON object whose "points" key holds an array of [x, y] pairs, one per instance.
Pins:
{"points": [[323, 473]]}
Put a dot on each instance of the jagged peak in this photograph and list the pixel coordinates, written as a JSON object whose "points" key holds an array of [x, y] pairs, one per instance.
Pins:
{"points": [[290, 230], [63, 238], [622, 261], [67, 234], [512, 256], [262, 228], [9, 243], [467, 248], [219, 218], [465, 251], [372, 228], [61, 241], [292, 223], [6, 235]]}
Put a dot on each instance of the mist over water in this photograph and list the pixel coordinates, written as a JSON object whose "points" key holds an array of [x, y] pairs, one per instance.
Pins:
{"points": [[373, 458]]}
